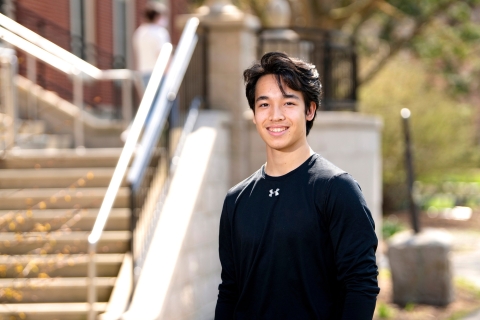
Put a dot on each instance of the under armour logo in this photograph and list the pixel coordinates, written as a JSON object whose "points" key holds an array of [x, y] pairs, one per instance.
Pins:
{"points": [[274, 192]]}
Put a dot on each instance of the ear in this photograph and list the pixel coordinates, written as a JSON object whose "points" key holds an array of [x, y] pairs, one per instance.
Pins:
{"points": [[311, 111], [253, 118]]}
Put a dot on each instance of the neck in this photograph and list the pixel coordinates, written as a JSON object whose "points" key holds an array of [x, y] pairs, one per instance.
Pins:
{"points": [[282, 162]]}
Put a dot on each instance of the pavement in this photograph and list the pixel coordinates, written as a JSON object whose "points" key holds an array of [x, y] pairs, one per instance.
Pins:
{"points": [[466, 260]]}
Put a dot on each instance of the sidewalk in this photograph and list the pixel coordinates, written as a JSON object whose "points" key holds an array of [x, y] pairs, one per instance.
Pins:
{"points": [[466, 260], [474, 316]]}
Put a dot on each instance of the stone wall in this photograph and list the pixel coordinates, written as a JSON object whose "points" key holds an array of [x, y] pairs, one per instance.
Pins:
{"points": [[181, 274], [194, 289]]}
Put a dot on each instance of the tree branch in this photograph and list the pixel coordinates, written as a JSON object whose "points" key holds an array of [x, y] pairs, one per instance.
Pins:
{"points": [[396, 47], [351, 9], [390, 10]]}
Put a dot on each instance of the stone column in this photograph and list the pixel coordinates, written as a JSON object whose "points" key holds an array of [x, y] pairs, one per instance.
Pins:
{"points": [[232, 47]]}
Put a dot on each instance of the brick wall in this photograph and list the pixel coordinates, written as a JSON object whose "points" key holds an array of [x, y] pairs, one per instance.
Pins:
{"points": [[177, 7], [139, 6], [51, 19], [57, 11]]}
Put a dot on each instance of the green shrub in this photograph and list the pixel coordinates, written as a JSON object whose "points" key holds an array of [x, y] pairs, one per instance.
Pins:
{"points": [[390, 227], [442, 127], [384, 311]]}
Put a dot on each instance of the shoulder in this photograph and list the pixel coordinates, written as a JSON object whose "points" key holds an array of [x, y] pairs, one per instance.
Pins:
{"points": [[322, 170], [330, 182], [240, 188]]}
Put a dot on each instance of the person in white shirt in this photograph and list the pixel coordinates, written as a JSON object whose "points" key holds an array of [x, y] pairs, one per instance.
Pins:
{"points": [[149, 38]]}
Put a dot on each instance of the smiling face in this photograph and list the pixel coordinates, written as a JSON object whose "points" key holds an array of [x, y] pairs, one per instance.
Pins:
{"points": [[281, 118]]}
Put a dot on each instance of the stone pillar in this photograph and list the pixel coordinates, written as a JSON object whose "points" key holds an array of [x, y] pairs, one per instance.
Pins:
{"points": [[232, 47], [420, 266]]}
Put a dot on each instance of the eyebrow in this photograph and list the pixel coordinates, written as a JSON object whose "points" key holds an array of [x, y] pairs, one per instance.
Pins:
{"points": [[286, 96]]}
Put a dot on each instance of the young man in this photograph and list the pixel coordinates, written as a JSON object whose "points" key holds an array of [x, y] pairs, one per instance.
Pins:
{"points": [[297, 240]]}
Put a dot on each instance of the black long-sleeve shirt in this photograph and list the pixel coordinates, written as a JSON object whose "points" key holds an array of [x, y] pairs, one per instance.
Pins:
{"points": [[298, 246]]}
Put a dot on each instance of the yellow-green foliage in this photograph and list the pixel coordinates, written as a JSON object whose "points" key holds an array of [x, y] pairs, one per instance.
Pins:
{"points": [[443, 130]]}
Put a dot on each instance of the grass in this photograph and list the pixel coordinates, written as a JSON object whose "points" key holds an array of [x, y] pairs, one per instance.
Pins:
{"points": [[467, 286], [467, 300]]}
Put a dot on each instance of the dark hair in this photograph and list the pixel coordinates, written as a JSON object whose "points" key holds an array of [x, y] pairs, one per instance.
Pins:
{"points": [[295, 73], [153, 10]]}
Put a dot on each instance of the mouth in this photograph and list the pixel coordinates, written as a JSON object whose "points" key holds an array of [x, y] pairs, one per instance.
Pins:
{"points": [[277, 130]]}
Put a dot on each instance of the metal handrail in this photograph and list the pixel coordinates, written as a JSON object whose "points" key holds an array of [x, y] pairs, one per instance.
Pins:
{"points": [[56, 50], [42, 49], [166, 96], [122, 165], [161, 106], [38, 52]]}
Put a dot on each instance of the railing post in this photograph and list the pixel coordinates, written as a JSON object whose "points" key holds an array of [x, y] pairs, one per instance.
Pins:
{"points": [[78, 101], [354, 71], [327, 72], [32, 76], [92, 274], [127, 101], [9, 69]]}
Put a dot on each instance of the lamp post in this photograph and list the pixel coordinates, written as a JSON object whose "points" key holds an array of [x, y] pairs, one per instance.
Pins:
{"points": [[405, 113]]}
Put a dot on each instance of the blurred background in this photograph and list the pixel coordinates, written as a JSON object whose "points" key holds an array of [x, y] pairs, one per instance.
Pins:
{"points": [[375, 58]]}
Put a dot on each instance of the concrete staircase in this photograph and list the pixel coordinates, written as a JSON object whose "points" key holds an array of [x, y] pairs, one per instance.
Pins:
{"points": [[31, 134], [49, 200]]}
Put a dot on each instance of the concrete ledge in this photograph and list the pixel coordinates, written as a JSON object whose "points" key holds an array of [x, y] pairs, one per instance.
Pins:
{"points": [[120, 297], [187, 222], [339, 119]]}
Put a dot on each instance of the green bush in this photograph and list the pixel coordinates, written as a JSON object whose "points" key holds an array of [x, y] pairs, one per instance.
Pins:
{"points": [[390, 227], [384, 311], [442, 127]]}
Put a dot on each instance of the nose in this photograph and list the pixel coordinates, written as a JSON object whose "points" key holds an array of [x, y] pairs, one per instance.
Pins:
{"points": [[276, 113]]}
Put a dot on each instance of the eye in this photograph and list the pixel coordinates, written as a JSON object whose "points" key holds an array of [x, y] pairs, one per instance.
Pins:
{"points": [[290, 103], [263, 105]]}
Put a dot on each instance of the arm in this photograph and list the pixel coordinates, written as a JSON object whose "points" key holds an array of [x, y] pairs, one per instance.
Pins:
{"points": [[228, 293], [352, 233]]}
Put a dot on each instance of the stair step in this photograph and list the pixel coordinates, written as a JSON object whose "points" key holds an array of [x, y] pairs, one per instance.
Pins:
{"points": [[32, 127], [75, 219], [43, 141], [61, 158], [59, 198], [56, 177], [50, 311], [58, 265], [62, 242], [53, 289]]}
